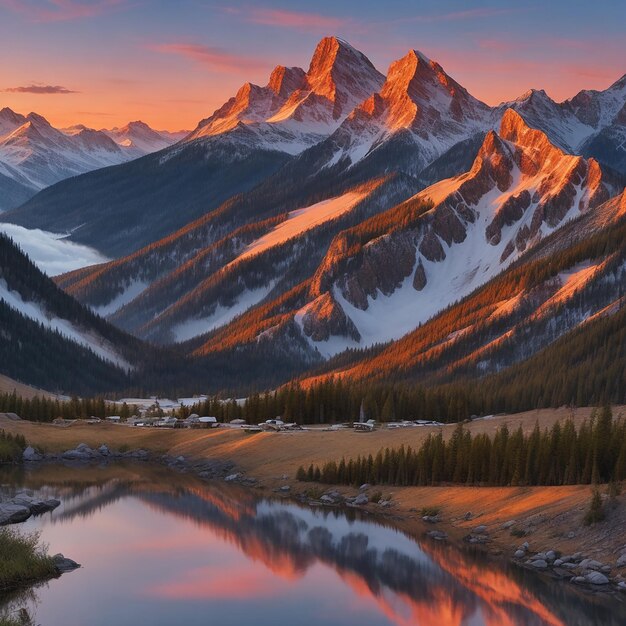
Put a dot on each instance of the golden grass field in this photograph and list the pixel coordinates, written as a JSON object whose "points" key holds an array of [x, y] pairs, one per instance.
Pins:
{"points": [[551, 512]]}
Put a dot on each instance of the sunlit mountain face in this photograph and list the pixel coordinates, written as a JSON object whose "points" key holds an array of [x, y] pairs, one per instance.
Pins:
{"points": [[336, 196], [227, 551]]}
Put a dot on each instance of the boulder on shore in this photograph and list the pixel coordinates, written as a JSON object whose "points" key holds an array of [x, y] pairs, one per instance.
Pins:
{"points": [[11, 513], [31, 455], [63, 564]]}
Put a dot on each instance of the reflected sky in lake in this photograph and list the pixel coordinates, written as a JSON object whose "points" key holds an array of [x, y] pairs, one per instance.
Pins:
{"points": [[159, 548]]}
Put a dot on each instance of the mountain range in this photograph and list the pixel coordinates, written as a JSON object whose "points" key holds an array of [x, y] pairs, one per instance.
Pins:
{"points": [[35, 155], [340, 223]]}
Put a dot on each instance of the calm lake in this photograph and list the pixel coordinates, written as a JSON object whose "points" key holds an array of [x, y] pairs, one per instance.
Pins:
{"points": [[162, 548]]}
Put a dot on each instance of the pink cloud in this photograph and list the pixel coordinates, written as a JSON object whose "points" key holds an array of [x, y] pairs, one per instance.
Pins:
{"points": [[59, 10], [294, 19], [40, 89], [215, 59]]}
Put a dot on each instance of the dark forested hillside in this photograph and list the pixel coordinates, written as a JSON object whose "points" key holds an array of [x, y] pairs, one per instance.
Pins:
{"points": [[59, 344], [123, 208]]}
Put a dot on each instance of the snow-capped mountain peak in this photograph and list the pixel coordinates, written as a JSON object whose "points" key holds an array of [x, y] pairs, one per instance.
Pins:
{"points": [[417, 258], [9, 121], [137, 138], [419, 100], [297, 109]]}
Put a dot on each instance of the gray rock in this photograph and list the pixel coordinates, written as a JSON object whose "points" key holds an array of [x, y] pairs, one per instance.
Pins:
{"points": [[558, 562], [480, 530], [285, 488], [36, 506], [525, 546], [361, 499], [467, 516], [334, 496], [438, 535], [577, 556], [11, 513], [539, 564], [621, 562], [550, 555], [30, 454], [519, 554], [579, 580], [431, 519], [605, 569], [137, 454], [232, 477], [568, 566], [508, 524], [596, 578], [104, 450], [385, 503], [63, 564], [365, 486], [473, 538], [591, 564], [327, 499], [621, 585]]}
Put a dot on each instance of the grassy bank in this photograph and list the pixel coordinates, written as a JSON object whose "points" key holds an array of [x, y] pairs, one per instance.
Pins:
{"points": [[23, 561], [550, 517]]}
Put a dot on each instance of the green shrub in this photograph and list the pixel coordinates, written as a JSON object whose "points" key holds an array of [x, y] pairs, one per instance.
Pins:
{"points": [[431, 511], [23, 560], [595, 512], [314, 493], [11, 447]]}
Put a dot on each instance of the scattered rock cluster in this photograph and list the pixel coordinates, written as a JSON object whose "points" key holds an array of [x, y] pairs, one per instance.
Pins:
{"points": [[83, 452], [576, 568], [480, 534]]}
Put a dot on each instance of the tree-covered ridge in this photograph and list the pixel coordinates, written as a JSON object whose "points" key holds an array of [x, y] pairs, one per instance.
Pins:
{"points": [[44, 409], [47, 359], [496, 325], [563, 455], [24, 277]]}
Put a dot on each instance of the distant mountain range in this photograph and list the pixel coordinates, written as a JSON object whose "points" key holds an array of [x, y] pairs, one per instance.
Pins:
{"points": [[340, 222], [35, 155]]}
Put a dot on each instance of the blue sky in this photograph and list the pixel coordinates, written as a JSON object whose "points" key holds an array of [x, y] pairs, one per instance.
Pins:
{"points": [[105, 62]]}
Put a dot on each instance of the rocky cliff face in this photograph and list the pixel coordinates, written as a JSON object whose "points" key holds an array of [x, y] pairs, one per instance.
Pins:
{"points": [[454, 235]]}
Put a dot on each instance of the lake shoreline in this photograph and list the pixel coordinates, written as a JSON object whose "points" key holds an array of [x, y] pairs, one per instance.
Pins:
{"points": [[548, 518], [467, 531]]}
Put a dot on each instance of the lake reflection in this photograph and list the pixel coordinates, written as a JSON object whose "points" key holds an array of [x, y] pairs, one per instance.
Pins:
{"points": [[161, 548]]}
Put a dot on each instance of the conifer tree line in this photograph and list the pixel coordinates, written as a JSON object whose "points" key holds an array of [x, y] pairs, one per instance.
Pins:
{"points": [[42, 409], [562, 455]]}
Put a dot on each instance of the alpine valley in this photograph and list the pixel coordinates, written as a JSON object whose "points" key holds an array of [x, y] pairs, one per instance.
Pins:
{"points": [[335, 224]]}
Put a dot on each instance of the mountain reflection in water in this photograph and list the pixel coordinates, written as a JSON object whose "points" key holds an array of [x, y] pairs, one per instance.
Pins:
{"points": [[162, 548]]}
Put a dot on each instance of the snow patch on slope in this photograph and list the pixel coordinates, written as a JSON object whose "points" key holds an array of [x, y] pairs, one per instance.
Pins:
{"points": [[132, 291], [84, 338], [302, 220], [221, 316]]}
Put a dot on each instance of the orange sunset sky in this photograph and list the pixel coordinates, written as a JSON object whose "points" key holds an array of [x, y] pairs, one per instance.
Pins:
{"points": [[106, 62]]}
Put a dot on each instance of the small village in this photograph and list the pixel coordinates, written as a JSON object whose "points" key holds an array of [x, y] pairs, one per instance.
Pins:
{"points": [[155, 413]]}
